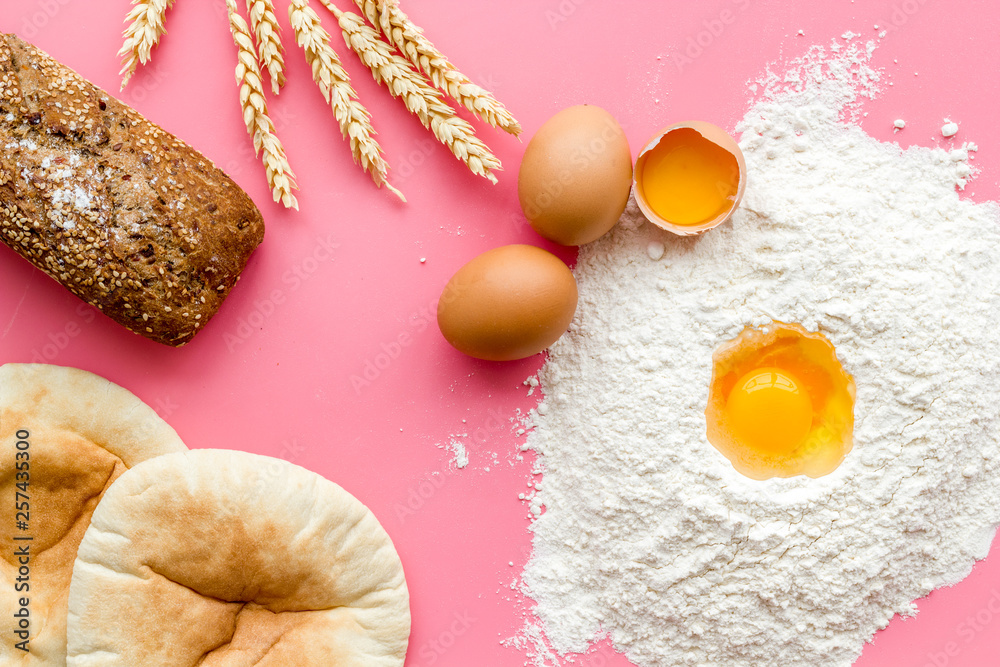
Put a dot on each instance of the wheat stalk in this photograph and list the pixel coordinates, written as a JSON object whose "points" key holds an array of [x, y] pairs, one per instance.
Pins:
{"points": [[334, 83], [146, 26], [259, 124], [266, 30], [423, 101], [402, 33]]}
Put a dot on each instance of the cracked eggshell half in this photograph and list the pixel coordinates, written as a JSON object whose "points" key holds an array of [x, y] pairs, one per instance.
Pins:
{"points": [[689, 178]]}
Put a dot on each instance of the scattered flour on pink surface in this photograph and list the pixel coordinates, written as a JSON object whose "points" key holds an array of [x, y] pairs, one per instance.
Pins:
{"points": [[645, 534]]}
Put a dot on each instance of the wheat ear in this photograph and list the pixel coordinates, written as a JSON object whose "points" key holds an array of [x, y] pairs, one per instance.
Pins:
{"points": [[402, 33], [145, 27], [267, 32], [420, 98], [259, 124], [335, 84]]}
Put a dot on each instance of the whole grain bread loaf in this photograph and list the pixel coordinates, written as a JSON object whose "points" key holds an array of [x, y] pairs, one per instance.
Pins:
{"points": [[121, 212]]}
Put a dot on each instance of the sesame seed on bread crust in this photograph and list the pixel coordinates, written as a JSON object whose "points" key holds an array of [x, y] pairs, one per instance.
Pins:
{"points": [[116, 209]]}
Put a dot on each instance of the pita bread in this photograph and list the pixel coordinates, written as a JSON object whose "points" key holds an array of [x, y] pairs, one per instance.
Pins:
{"points": [[223, 559], [83, 432]]}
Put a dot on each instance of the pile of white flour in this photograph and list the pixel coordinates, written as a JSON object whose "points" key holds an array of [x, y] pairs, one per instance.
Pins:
{"points": [[648, 535]]}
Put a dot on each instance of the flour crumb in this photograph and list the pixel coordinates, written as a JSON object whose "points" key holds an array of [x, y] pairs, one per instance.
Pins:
{"points": [[899, 124], [949, 129], [461, 454]]}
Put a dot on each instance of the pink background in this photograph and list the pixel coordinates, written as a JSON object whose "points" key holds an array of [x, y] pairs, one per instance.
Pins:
{"points": [[336, 285]]}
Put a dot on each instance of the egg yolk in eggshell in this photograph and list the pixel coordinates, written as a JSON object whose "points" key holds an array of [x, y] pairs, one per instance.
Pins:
{"points": [[780, 403], [688, 179]]}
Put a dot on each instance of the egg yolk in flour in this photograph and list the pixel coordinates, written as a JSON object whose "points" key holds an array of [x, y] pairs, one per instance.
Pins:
{"points": [[780, 404]]}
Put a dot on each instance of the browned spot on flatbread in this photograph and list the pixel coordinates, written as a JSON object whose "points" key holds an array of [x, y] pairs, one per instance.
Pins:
{"points": [[81, 428], [237, 560]]}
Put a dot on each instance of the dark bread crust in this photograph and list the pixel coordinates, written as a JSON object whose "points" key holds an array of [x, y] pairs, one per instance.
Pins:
{"points": [[122, 213]]}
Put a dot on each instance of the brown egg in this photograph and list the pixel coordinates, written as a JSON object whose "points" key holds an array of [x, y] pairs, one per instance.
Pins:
{"points": [[508, 303], [575, 176]]}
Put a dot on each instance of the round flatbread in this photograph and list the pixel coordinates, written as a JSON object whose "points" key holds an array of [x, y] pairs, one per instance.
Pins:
{"points": [[224, 558], [65, 436]]}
